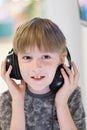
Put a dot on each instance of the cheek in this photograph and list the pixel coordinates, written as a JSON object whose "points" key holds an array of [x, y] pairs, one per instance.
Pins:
{"points": [[54, 67], [24, 71], [51, 73], [25, 75]]}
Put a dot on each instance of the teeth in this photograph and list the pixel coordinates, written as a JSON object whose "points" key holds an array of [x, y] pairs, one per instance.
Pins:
{"points": [[37, 77]]}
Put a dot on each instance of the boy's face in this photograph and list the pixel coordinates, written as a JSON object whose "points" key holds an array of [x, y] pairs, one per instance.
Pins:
{"points": [[38, 68]]}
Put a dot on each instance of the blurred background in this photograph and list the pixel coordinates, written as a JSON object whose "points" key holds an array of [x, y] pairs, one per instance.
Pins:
{"points": [[70, 16]]}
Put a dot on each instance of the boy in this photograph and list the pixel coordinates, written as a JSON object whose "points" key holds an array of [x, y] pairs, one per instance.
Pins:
{"points": [[40, 47]]}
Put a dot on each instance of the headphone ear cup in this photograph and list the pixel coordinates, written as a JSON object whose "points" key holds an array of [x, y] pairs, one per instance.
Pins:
{"points": [[58, 79], [13, 60], [16, 69]]}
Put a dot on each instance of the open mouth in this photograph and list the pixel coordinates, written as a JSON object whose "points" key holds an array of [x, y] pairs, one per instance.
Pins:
{"points": [[38, 77]]}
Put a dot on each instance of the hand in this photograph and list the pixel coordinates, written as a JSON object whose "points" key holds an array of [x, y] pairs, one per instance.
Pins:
{"points": [[70, 84], [17, 91]]}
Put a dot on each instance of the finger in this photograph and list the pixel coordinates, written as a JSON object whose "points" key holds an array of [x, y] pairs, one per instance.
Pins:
{"points": [[7, 74], [69, 74], [76, 72], [67, 69], [66, 79]]}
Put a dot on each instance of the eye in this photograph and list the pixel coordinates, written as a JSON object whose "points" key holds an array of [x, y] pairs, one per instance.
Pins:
{"points": [[27, 57], [46, 57]]}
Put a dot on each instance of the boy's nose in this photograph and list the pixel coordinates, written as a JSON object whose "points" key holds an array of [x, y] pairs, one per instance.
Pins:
{"points": [[36, 65]]}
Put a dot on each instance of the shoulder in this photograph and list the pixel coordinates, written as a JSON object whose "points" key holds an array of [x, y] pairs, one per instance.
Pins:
{"points": [[75, 100], [77, 109], [76, 96], [5, 101], [5, 97], [5, 110]]}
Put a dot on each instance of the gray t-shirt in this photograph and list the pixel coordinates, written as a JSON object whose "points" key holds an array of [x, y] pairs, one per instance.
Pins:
{"points": [[40, 111]]}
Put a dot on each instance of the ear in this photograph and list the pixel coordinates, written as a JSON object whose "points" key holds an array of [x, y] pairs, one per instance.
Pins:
{"points": [[62, 58]]}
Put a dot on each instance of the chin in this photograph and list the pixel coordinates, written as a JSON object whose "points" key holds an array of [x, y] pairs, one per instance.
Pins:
{"points": [[39, 89]]}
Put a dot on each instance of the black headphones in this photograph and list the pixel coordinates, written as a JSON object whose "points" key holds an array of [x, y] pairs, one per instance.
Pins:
{"points": [[58, 80], [12, 59]]}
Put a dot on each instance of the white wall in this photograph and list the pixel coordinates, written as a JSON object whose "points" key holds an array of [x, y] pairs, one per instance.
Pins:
{"points": [[65, 13]]}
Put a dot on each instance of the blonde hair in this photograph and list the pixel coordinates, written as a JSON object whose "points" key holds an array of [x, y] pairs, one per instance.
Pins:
{"points": [[39, 32]]}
